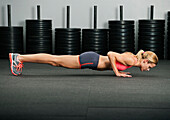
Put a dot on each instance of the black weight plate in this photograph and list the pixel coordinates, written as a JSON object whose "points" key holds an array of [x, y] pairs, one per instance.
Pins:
{"points": [[39, 34], [11, 37], [95, 46], [93, 49], [67, 39], [67, 33], [97, 51], [67, 42], [115, 32], [124, 22], [121, 30], [94, 30], [10, 29], [161, 50], [151, 41], [41, 51], [11, 50], [38, 51], [151, 37], [67, 49], [39, 42], [38, 37], [119, 24], [121, 34], [120, 27], [122, 45], [121, 42], [11, 44], [152, 26], [95, 38], [121, 50], [152, 21], [151, 30], [38, 26], [94, 35], [70, 43], [67, 36], [94, 42], [38, 21], [67, 52], [151, 45], [38, 47], [120, 37], [151, 33], [11, 33], [68, 29], [67, 45], [30, 27], [39, 29]]}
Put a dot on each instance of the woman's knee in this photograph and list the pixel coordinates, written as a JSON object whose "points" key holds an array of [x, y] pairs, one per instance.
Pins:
{"points": [[56, 61]]}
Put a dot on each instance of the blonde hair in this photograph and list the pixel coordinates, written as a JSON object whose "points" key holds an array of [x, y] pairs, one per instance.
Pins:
{"points": [[151, 56]]}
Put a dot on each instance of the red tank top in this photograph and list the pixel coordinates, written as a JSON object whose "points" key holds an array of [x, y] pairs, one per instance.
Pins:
{"points": [[121, 67]]}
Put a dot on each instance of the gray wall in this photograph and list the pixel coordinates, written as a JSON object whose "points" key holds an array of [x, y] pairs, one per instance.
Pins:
{"points": [[81, 11]]}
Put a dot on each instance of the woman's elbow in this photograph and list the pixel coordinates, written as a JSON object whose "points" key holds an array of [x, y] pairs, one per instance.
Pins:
{"points": [[112, 54]]}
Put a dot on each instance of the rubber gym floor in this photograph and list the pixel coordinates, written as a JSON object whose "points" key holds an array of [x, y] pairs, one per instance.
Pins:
{"points": [[45, 92]]}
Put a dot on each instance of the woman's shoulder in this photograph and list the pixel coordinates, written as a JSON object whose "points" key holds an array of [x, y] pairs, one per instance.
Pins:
{"points": [[129, 58]]}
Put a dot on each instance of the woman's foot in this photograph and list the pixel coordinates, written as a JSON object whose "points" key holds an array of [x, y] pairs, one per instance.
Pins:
{"points": [[15, 64]]}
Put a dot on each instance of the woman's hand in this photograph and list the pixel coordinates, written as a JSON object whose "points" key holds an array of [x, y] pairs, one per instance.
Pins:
{"points": [[123, 74]]}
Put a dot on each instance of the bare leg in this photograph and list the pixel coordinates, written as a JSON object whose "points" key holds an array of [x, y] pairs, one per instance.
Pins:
{"points": [[68, 61]]}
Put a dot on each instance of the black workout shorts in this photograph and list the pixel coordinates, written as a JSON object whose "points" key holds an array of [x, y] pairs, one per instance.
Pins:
{"points": [[89, 60]]}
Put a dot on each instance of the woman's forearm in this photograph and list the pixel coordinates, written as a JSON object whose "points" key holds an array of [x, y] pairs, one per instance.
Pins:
{"points": [[112, 59]]}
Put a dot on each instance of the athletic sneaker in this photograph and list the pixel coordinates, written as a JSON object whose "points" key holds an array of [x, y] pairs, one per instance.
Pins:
{"points": [[15, 64]]}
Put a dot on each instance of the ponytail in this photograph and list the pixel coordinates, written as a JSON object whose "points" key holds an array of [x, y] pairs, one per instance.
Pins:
{"points": [[151, 56], [140, 54]]}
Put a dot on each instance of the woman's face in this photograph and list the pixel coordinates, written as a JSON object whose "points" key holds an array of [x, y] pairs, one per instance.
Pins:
{"points": [[146, 66]]}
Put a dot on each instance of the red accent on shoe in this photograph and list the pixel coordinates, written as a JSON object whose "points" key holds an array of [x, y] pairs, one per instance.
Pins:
{"points": [[19, 66]]}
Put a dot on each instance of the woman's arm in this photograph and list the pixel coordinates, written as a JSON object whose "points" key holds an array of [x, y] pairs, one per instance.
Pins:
{"points": [[113, 57]]}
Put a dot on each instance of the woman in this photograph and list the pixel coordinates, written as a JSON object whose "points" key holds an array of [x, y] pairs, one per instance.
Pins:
{"points": [[113, 61]]}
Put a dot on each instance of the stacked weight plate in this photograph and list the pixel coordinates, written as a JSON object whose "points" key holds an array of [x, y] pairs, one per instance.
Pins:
{"points": [[11, 38], [11, 41], [168, 45], [151, 36], [95, 39], [38, 36], [121, 35], [67, 40]]}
